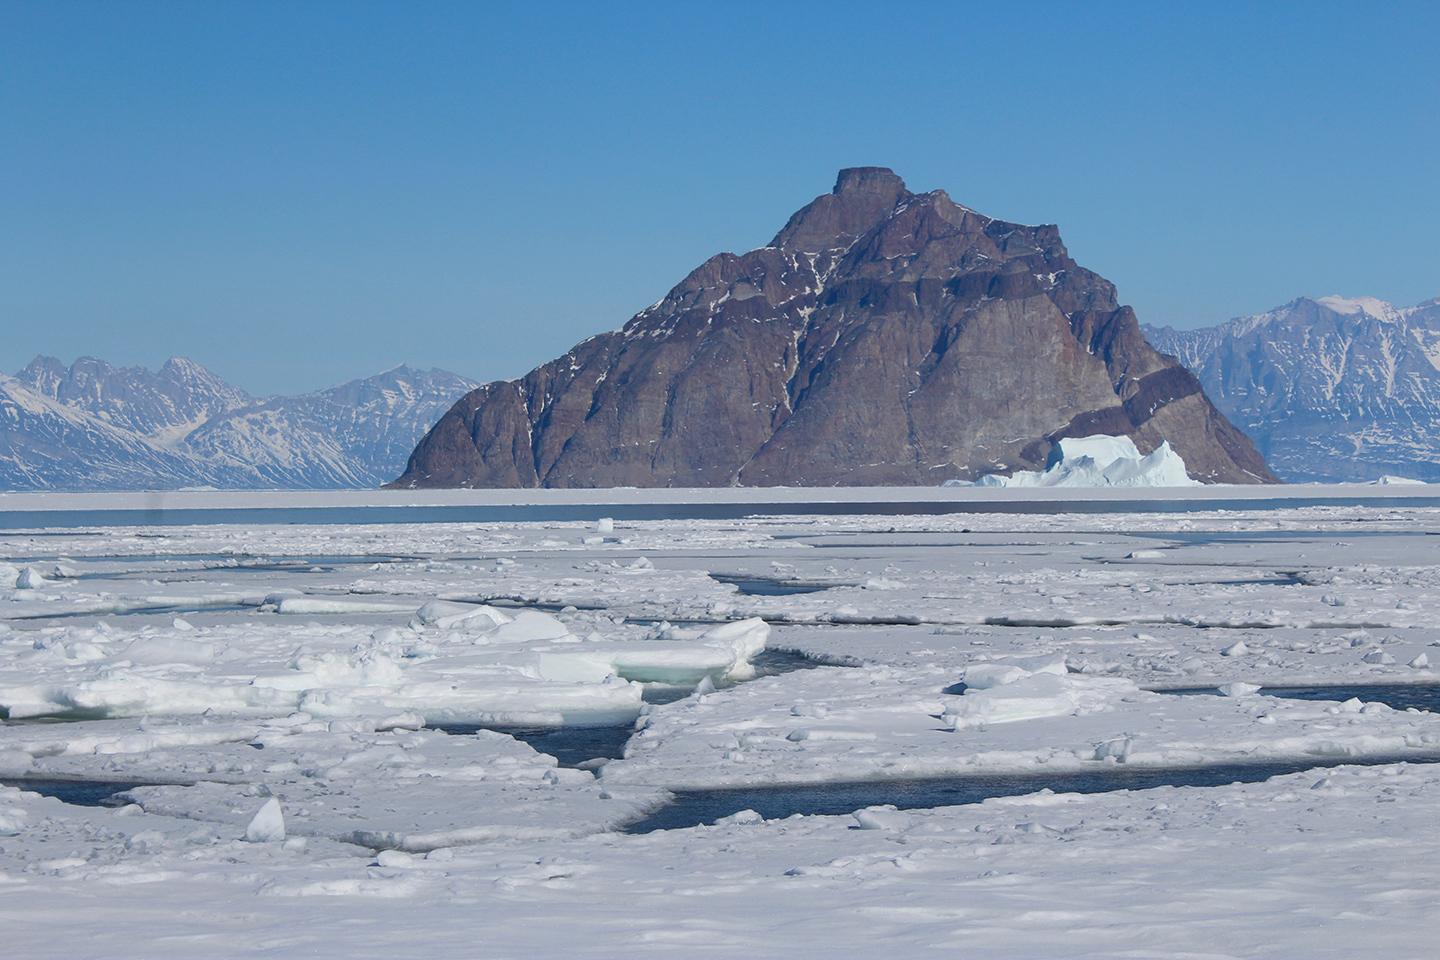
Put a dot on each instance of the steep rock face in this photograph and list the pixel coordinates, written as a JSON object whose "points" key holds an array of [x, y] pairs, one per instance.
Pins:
{"points": [[1331, 389], [882, 337]]}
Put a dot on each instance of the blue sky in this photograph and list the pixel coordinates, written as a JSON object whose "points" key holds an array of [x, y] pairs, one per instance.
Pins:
{"points": [[295, 194]]}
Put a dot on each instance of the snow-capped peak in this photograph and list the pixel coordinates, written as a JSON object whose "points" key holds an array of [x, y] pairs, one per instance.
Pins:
{"points": [[1371, 306], [96, 426]]}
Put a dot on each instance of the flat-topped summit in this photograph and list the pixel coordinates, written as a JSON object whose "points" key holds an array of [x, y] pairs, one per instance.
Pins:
{"points": [[862, 197], [883, 337]]}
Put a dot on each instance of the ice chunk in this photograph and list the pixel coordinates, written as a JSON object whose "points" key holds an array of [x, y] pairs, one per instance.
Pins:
{"points": [[29, 579], [982, 676], [1238, 689], [1033, 696], [268, 824], [447, 615], [880, 818]]}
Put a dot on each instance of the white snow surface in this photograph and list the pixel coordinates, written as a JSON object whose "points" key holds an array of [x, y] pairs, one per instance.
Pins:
{"points": [[275, 691], [1372, 306]]}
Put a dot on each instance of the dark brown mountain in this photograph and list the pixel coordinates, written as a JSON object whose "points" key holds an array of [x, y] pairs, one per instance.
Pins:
{"points": [[883, 337]]}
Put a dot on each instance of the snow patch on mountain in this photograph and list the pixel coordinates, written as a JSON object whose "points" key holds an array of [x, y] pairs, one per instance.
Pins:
{"points": [[1330, 389], [1371, 306]]}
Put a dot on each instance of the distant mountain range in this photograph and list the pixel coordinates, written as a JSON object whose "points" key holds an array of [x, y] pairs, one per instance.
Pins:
{"points": [[94, 426], [882, 337], [1330, 389]]}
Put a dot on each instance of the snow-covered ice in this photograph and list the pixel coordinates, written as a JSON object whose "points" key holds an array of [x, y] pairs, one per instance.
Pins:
{"points": [[278, 695]]}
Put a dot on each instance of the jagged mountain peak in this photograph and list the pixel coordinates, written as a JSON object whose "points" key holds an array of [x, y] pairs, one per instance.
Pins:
{"points": [[96, 426], [183, 368], [160, 405]]}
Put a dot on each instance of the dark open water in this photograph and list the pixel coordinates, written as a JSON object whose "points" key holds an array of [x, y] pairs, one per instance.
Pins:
{"points": [[50, 519], [694, 807]]}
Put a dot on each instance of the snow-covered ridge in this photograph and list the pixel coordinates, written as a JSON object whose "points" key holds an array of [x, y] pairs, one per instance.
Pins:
{"points": [[94, 426], [1371, 306], [1330, 389]]}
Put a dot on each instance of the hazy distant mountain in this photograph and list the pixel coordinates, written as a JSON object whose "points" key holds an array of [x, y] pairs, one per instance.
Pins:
{"points": [[1330, 389], [93, 426], [164, 405], [358, 434], [882, 337], [45, 444]]}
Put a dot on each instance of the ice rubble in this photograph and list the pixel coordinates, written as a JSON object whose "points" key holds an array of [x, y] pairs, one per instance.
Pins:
{"points": [[1097, 461], [454, 663]]}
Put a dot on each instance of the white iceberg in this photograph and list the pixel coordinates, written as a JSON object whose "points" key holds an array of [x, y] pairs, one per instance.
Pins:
{"points": [[1098, 461]]}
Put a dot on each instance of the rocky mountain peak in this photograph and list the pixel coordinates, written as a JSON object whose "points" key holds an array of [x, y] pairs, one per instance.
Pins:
{"points": [[861, 198], [43, 374], [883, 337], [878, 181], [183, 368]]}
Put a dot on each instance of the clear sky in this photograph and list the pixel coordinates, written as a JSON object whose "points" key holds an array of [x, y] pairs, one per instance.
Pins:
{"points": [[299, 193]]}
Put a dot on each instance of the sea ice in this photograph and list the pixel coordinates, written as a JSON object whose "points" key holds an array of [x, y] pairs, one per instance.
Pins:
{"points": [[973, 644]]}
